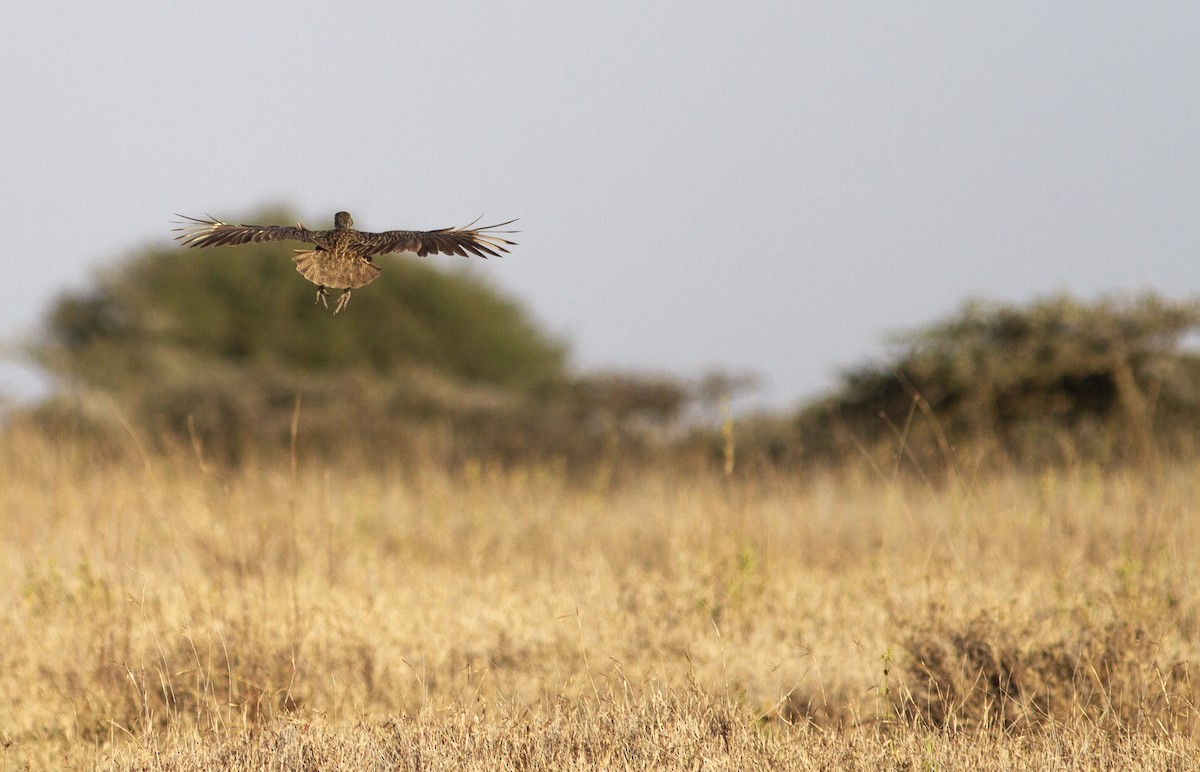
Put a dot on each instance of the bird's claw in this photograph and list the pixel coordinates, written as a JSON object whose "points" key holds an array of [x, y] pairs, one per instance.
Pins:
{"points": [[342, 300], [322, 294]]}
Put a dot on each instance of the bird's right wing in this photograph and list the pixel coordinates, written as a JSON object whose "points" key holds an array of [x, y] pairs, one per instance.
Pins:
{"points": [[214, 233], [465, 241]]}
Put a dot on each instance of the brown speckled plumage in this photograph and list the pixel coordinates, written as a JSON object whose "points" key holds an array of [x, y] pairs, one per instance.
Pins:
{"points": [[342, 256]]}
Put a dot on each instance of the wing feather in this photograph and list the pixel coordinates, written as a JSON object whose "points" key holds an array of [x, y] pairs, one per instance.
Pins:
{"points": [[199, 232], [486, 241]]}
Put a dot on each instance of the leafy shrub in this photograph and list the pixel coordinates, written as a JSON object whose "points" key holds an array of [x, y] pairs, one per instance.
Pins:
{"points": [[1053, 381]]}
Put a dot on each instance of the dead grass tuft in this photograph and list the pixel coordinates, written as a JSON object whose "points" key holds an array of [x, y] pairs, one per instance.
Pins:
{"points": [[1018, 675]]}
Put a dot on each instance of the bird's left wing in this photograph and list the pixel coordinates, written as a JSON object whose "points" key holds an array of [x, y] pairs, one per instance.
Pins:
{"points": [[483, 242], [214, 233]]}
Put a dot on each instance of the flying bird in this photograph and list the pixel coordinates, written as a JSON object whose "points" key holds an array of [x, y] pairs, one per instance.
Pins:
{"points": [[341, 258]]}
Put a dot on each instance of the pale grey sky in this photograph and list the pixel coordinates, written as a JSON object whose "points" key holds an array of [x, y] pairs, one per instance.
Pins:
{"points": [[756, 186]]}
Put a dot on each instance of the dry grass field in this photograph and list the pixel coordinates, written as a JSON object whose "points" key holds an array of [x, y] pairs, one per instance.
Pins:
{"points": [[160, 614]]}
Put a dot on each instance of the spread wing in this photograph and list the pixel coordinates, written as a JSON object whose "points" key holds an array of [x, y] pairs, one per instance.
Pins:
{"points": [[483, 242], [214, 233]]}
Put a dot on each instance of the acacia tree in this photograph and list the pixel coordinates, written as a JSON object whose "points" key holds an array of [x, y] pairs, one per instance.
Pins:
{"points": [[246, 305], [1055, 378]]}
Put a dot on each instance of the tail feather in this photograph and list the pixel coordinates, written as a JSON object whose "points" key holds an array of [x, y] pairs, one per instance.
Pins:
{"points": [[317, 267]]}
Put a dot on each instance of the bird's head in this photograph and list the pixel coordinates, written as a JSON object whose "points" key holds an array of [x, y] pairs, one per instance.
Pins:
{"points": [[343, 220]]}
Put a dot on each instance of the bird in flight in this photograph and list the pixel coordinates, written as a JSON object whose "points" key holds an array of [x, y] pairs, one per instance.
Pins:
{"points": [[341, 258]]}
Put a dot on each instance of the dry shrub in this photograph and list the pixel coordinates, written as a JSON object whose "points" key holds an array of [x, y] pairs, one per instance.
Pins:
{"points": [[988, 672]]}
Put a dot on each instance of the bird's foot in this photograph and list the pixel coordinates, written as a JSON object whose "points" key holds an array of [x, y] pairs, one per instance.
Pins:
{"points": [[322, 294], [342, 300]]}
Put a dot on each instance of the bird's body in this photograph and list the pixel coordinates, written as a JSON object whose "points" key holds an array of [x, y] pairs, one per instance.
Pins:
{"points": [[342, 257]]}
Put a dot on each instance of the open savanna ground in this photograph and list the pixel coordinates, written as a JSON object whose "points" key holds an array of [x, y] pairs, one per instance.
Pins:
{"points": [[158, 613]]}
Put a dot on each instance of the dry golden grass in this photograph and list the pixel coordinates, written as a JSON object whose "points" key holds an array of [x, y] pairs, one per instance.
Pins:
{"points": [[160, 615]]}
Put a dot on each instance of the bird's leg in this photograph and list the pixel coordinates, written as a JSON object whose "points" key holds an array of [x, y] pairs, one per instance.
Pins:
{"points": [[322, 294], [343, 299]]}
